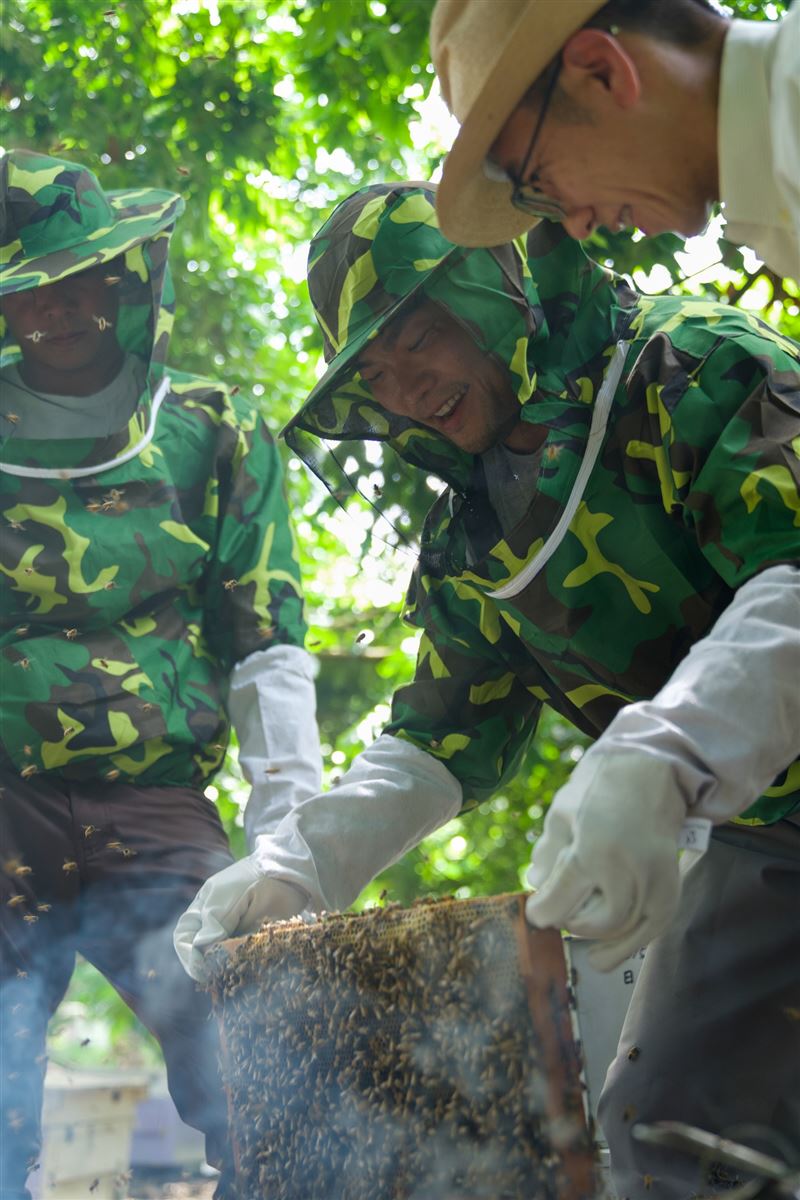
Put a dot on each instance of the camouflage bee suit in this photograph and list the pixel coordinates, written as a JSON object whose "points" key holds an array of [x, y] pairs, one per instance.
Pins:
{"points": [[137, 570], [669, 480], [597, 593]]}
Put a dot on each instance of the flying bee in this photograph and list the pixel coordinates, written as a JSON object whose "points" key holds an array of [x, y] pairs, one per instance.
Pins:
{"points": [[69, 865], [112, 775], [26, 772], [30, 918], [70, 634], [88, 830], [230, 584], [24, 663], [14, 417], [23, 870], [43, 907], [15, 900], [22, 630], [102, 323]]}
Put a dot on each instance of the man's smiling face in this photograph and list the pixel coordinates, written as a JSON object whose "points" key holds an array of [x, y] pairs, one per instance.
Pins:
{"points": [[425, 366]]}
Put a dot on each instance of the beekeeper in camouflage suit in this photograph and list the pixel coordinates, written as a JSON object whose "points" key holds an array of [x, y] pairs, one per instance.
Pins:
{"points": [[150, 595], [617, 537]]}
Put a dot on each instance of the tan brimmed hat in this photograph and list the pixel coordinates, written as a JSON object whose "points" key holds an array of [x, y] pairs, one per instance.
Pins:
{"points": [[486, 54]]}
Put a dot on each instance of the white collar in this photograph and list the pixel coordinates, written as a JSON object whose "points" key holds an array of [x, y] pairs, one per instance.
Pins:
{"points": [[746, 171]]}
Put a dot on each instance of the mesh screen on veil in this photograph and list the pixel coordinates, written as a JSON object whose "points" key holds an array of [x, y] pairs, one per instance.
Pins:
{"points": [[377, 257], [539, 308]]}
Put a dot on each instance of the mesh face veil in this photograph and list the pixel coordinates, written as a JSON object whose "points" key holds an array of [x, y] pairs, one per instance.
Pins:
{"points": [[380, 254]]}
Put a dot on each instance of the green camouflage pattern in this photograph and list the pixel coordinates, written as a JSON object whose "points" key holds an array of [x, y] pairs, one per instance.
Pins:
{"points": [[128, 594], [56, 219], [695, 490]]}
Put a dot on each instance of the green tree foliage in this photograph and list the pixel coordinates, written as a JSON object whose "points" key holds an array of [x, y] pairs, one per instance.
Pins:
{"points": [[264, 114]]}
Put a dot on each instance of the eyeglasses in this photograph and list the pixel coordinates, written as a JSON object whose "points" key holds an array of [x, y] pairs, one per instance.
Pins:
{"points": [[526, 196]]}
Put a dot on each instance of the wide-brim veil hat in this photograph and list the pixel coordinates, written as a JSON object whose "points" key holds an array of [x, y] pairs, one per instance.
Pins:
{"points": [[486, 54], [56, 219]]}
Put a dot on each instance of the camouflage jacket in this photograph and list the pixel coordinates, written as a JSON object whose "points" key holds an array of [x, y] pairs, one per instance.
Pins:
{"points": [[137, 569], [646, 516]]}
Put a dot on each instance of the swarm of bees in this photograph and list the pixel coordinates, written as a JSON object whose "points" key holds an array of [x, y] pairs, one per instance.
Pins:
{"points": [[403, 1052]]}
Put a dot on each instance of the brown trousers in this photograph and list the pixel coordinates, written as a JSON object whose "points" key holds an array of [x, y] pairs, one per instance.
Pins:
{"points": [[712, 1035], [104, 869]]}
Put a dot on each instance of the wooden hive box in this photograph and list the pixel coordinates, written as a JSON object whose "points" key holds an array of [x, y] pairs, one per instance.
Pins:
{"points": [[424, 1053]]}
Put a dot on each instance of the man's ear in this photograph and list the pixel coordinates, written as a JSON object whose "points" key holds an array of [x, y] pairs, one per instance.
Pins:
{"points": [[592, 61]]}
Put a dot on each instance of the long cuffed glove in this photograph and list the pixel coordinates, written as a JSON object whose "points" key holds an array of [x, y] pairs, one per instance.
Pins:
{"points": [[272, 705], [707, 745], [326, 849]]}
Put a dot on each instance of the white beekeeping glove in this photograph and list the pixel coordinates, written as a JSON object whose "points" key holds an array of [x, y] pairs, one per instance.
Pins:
{"points": [[707, 745], [326, 849], [606, 865], [234, 901], [273, 707]]}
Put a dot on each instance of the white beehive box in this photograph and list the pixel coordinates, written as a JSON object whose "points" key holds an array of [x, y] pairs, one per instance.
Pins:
{"points": [[87, 1123], [160, 1137]]}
